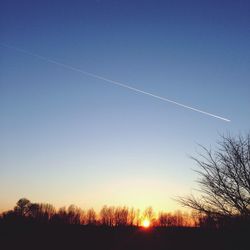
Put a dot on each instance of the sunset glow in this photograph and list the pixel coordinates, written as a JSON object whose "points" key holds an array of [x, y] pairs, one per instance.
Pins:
{"points": [[146, 223], [108, 107], [124, 124]]}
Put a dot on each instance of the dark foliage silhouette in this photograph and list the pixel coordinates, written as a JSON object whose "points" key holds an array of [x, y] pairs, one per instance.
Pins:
{"points": [[40, 226], [109, 216], [22, 207]]}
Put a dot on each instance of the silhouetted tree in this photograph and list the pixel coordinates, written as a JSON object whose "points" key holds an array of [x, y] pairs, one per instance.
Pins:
{"points": [[132, 217], [176, 219], [34, 211], [91, 217], [121, 216], [166, 220], [26, 212], [10, 216], [74, 215], [61, 216], [22, 207], [148, 213], [224, 179], [195, 218], [47, 211], [163, 219], [179, 218], [107, 216], [137, 217]]}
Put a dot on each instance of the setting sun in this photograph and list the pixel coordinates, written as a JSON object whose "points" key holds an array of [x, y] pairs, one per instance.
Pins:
{"points": [[146, 223]]}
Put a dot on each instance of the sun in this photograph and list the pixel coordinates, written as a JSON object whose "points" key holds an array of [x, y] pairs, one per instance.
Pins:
{"points": [[146, 223]]}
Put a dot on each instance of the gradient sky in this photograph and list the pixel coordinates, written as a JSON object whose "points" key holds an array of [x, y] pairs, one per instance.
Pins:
{"points": [[67, 138]]}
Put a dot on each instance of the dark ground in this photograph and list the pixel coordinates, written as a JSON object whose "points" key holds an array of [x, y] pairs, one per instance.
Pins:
{"points": [[84, 237]]}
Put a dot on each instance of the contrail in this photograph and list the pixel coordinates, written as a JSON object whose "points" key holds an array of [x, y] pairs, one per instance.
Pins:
{"points": [[113, 82]]}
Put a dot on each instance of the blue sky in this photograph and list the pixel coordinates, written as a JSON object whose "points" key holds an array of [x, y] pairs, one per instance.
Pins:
{"points": [[68, 138]]}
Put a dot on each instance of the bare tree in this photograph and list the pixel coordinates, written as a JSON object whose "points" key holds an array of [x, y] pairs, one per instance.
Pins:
{"points": [[47, 211], [131, 216], [42, 212], [107, 216], [224, 179], [91, 217], [148, 214], [62, 216], [137, 217], [163, 219], [121, 216], [75, 215], [176, 219]]}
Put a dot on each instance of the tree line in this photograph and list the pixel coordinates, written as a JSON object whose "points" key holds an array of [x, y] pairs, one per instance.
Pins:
{"points": [[110, 216], [223, 199]]}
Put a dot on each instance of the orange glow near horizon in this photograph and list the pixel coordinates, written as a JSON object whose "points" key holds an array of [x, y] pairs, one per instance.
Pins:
{"points": [[146, 223]]}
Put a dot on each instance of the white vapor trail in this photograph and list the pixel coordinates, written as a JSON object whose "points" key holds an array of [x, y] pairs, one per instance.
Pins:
{"points": [[113, 82]]}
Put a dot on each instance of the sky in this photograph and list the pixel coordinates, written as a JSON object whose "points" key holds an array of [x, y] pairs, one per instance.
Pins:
{"points": [[68, 138]]}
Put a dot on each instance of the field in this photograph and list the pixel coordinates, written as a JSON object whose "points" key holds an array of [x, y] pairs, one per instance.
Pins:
{"points": [[128, 238]]}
